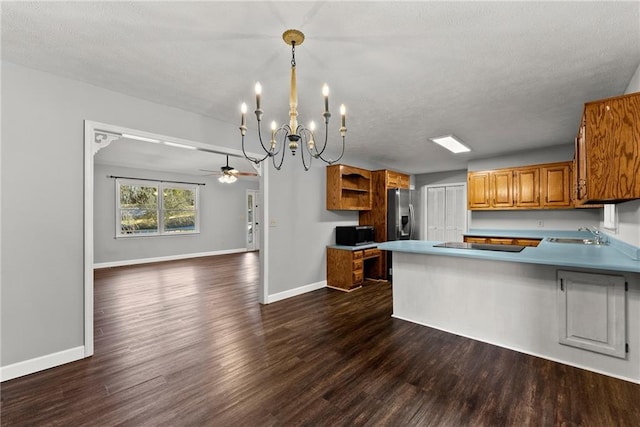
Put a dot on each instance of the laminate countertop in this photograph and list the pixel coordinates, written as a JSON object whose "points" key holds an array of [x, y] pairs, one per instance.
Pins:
{"points": [[616, 256]]}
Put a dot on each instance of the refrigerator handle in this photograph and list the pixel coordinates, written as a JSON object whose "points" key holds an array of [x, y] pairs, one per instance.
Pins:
{"points": [[411, 219]]}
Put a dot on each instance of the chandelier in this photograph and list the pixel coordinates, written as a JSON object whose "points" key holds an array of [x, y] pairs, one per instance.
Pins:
{"points": [[297, 135]]}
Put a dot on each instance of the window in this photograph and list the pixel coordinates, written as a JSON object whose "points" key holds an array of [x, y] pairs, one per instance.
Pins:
{"points": [[145, 208]]}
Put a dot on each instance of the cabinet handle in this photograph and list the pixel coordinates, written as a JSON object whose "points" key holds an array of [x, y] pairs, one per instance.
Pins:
{"points": [[562, 285]]}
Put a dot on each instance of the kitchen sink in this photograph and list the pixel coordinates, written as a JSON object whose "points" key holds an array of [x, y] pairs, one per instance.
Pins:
{"points": [[575, 241]]}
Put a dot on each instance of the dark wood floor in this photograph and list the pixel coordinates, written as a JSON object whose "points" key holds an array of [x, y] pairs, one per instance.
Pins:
{"points": [[186, 343]]}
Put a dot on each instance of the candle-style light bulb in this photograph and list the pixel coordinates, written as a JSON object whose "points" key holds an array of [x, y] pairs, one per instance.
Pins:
{"points": [[312, 127], [274, 126], [343, 113], [243, 111], [258, 93], [325, 93]]}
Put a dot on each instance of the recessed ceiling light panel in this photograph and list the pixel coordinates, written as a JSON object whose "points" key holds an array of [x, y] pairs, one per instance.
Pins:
{"points": [[451, 143]]}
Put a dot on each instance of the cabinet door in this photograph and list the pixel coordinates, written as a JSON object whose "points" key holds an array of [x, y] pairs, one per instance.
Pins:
{"points": [[478, 190], [502, 189], [556, 185], [591, 312], [456, 212], [436, 209], [580, 166], [612, 138], [527, 184]]}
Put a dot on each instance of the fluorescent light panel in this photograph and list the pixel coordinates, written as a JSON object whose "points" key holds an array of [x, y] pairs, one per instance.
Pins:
{"points": [[451, 143]]}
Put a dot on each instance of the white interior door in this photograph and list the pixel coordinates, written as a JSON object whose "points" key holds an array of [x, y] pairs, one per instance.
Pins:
{"points": [[436, 213], [253, 220], [446, 212], [455, 213]]}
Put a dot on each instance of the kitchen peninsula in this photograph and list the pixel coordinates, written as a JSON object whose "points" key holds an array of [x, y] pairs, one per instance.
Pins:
{"points": [[577, 304]]}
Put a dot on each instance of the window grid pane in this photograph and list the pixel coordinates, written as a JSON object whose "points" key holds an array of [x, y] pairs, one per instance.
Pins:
{"points": [[143, 212]]}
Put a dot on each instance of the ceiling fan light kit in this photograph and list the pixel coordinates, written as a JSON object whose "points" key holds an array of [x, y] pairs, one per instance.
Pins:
{"points": [[297, 135]]}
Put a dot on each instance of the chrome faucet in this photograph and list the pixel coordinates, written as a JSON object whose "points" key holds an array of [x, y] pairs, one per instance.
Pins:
{"points": [[598, 238]]}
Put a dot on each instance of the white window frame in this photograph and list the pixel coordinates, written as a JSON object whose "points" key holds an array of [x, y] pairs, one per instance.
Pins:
{"points": [[160, 187]]}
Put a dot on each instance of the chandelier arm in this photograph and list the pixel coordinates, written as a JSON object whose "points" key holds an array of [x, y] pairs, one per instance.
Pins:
{"points": [[304, 141], [273, 157], [260, 139], [252, 159], [324, 145], [329, 161]]}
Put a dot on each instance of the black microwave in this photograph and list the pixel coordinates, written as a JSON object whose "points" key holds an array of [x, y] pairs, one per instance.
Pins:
{"points": [[354, 235]]}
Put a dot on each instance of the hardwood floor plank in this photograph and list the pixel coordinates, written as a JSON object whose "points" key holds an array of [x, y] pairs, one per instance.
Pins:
{"points": [[186, 343]]}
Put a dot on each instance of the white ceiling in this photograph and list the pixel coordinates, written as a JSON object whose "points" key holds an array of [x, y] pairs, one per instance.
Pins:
{"points": [[501, 76]]}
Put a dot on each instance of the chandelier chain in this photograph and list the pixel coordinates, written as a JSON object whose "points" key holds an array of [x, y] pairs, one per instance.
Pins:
{"points": [[293, 54]]}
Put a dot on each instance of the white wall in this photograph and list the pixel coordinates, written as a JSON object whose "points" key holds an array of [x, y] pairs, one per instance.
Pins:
{"points": [[222, 218], [300, 225], [42, 188]]}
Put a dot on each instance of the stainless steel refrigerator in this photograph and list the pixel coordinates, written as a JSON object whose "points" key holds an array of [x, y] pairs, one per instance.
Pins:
{"points": [[400, 220], [400, 216]]}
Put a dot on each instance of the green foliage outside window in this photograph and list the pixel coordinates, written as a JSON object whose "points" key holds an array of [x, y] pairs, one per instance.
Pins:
{"points": [[139, 209]]}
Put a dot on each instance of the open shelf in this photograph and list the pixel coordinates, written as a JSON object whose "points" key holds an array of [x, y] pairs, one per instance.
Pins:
{"points": [[348, 188]]}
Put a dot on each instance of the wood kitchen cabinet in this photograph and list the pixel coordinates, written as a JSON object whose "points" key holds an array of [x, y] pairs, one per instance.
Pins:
{"points": [[543, 186], [556, 185], [347, 268], [502, 188], [527, 187], [382, 180], [490, 189], [607, 151], [348, 188], [478, 190], [497, 240]]}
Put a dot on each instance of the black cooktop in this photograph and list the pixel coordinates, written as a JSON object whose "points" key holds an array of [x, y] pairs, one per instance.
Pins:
{"points": [[480, 246]]}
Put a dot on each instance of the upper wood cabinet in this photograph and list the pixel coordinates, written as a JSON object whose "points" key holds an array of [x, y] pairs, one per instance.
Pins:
{"points": [[348, 188], [556, 185], [546, 186], [608, 151], [527, 187], [478, 190], [395, 179], [501, 188]]}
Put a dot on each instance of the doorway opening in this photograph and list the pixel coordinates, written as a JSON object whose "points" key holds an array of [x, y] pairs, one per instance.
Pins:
{"points": [[98, 136]]}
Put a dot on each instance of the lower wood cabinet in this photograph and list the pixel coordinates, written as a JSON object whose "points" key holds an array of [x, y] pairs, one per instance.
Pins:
{"points": [[348, 268], [522, 241], [592, 312]]}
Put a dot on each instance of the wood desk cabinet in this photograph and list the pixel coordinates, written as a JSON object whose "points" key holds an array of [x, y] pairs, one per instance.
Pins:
{"points": [[347, 268]]}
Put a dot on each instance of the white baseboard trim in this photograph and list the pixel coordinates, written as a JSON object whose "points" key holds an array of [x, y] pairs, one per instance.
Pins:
{"points": [[41, 363], [530, 353], [165, 258], [296, 291]]}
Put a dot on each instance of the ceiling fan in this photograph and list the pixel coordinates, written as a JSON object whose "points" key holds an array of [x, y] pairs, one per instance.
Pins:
{"points": [[228, 174]]}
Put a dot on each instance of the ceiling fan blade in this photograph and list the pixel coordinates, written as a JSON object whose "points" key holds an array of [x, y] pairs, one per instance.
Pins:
{"points": [[246, 174]]}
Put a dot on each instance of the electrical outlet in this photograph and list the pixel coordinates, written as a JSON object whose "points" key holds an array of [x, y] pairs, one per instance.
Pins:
{"points": [[540, 223]]}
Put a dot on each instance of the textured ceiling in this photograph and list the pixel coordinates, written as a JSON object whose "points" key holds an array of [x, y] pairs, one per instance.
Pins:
{"points": [[501, 76]]}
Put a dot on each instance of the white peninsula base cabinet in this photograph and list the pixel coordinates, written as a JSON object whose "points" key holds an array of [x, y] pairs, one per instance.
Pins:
{"points": [[591, 312], [522, 307]]}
